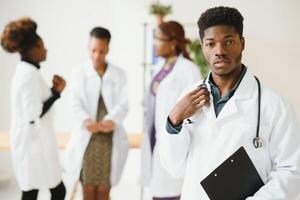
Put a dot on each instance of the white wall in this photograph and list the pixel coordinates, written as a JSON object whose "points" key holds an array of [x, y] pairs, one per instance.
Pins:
{"points": [[271, 30], [65, 27]]}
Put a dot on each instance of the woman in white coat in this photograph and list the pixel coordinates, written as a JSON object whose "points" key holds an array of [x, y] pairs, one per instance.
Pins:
{"points": [[98, 146], [171, 76], [33, 143]]}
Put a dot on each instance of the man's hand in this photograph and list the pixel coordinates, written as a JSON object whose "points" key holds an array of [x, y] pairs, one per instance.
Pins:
{"points": [[58, 83], [189, 105]]}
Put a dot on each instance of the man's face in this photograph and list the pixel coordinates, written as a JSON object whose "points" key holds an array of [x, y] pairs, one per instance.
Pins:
{"points": [[222, 49], [98, 49]]}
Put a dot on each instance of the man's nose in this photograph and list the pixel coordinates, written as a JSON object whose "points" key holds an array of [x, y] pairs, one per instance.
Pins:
{"points": [[220, 50]]}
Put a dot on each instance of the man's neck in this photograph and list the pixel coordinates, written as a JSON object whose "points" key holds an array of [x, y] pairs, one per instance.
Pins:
{"points": [[227, 82]]}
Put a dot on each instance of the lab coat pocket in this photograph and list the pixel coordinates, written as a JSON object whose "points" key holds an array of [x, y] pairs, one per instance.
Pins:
{"points": [[249, 133], [27, 134], [30, 132], [193, 122]]}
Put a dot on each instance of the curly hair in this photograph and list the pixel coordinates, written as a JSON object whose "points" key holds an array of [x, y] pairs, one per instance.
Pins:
{"points": [[19, 35], [175, 30], [221, 16]]}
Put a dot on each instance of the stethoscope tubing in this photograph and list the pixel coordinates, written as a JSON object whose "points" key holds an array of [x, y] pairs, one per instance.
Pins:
{"points": [[257, 141]]}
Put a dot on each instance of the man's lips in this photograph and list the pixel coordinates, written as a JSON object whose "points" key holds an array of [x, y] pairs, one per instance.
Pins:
{"points": [[221, 62]]}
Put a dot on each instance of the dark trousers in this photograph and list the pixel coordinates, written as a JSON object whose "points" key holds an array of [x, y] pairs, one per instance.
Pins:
{"points": [[57, 193]]}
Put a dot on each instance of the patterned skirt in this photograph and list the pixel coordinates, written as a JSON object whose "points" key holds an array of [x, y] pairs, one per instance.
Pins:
{"points": [[97, 161]]}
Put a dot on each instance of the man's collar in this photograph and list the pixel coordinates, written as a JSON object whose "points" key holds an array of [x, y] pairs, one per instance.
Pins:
{"points": [[243, 72]]}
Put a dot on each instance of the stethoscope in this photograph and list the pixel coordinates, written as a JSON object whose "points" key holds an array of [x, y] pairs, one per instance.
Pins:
{"points": [[257, 141]]}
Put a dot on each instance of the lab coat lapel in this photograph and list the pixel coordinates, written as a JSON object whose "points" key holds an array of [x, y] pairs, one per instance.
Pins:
{"points": [[229, 109], [209, 110], [93, 89], [107, 78], [244, 91]]}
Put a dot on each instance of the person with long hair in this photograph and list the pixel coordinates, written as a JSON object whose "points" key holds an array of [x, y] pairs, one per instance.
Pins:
{"points": [[32, 139], [172, 74]]}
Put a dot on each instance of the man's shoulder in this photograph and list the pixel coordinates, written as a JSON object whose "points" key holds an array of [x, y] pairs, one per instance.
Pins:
{"points": [[274, 105], [272, 97]]}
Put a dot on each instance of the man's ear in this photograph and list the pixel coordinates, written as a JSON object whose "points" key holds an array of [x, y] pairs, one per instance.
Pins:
{"points": [[243, 43]]}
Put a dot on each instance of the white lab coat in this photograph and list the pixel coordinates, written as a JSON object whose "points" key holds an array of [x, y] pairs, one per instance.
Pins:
{"points": [[184, 73], [33, 146], [85, 89], [202, 146]]}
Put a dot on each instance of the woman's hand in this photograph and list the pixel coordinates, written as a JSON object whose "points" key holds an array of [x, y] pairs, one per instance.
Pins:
{"points": [[58, 83], [91, 126], [189, 105], [106, 126]]}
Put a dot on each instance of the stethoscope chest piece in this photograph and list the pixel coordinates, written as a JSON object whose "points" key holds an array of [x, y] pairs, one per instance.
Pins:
{"points": [[257, 142]]}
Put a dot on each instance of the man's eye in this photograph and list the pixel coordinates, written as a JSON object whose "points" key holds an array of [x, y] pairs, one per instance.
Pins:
{"points": [[229, 42], [210, 44]]}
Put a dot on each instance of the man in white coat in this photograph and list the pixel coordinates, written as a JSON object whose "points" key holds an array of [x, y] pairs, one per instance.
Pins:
{"points": [[208, 124]]}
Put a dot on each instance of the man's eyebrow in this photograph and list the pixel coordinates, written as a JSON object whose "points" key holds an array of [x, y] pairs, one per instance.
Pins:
{"points": [[227, 36]]}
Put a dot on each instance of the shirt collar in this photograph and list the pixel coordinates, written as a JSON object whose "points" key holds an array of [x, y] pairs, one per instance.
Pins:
{"points": [[31, 62], [232, 91]]}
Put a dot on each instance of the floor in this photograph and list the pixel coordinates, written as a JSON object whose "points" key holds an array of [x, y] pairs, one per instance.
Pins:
{"points": [[128, 188]]}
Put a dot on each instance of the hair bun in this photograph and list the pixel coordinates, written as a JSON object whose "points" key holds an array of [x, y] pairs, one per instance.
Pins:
{"points": [[16, 33]]}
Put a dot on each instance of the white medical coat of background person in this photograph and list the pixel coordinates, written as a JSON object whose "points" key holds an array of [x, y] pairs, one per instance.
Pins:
{"points": [[184, 73], [85, 88], [33, 146], [202, 146]]}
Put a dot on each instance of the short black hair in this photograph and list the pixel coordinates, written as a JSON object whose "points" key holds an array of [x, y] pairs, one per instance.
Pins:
{"points": [[100, 33], [221, 16]]}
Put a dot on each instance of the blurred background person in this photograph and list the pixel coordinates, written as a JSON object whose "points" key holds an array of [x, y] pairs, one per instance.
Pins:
{"points": [[32, 139], [98, 147], [174, 73]]}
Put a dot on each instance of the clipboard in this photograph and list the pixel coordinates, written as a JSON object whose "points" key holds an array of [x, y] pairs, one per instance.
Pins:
{"points": [[235, 179]]}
